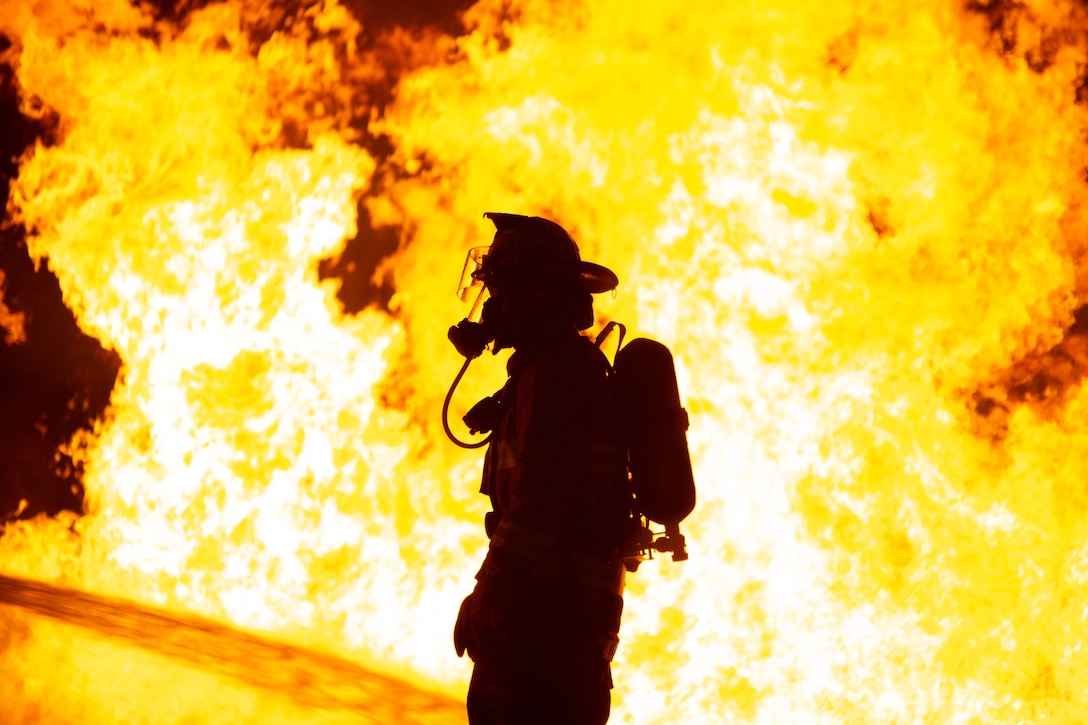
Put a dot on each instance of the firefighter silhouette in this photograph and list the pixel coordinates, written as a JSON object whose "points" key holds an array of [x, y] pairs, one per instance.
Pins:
{"points": [[542, 622]]}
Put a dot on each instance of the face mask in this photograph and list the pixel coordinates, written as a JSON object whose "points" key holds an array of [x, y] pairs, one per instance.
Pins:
{"points": [[470, 338]]}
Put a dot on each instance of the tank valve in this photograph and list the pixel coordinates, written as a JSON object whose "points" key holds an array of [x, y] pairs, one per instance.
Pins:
{"points": [[673, 542]]}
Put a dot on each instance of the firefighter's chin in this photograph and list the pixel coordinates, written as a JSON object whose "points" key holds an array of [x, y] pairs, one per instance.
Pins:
{"points": [[503, 339]]}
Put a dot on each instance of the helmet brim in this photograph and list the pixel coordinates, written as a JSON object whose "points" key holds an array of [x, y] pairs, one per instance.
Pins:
{"points": [[597, 278]]}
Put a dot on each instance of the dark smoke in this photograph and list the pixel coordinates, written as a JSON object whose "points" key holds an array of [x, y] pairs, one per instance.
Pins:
{"points": [[56, 382], [1044, 380]]}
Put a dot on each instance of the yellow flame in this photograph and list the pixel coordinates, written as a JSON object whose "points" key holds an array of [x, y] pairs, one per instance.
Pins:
{"points": [[246, 468], [845, 221]]}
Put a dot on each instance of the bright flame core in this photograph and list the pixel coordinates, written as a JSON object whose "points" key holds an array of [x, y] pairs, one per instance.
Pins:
{"points": [[847, 222]]}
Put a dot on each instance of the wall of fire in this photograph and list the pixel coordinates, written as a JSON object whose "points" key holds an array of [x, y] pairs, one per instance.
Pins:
{"points": [[880, 337], [54, 379]]}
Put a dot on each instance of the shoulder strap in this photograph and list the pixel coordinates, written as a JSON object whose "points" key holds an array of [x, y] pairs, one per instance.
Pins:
{"points": [[607, 330]]}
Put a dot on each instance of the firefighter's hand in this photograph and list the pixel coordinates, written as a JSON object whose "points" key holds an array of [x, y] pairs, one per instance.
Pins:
{"points": [[461, 637]]}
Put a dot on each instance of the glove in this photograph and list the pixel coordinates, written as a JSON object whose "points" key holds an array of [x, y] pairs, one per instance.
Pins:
{"points": [[485, 615], [462, 628]]}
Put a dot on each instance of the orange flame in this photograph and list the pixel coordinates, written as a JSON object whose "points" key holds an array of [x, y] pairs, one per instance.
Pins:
{"points": [[848, 222]]}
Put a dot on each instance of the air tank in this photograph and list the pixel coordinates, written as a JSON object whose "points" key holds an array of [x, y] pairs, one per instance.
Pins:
{"points": [[655, 425]]}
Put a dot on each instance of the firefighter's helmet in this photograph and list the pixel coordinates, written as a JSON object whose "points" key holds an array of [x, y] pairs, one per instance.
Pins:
{"points": [[532, 246]]}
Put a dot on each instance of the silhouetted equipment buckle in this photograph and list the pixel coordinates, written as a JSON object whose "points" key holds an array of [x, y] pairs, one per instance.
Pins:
{"points": [[673, 542], [642, 542]]}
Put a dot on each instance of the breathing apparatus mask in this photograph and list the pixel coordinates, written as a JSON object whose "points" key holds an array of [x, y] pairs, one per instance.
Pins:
{"points": [[527, 253], [485, 318]]}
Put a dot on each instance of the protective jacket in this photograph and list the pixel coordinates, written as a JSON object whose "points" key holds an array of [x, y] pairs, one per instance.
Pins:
{"points": [[544, 617], [554, 463]]}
